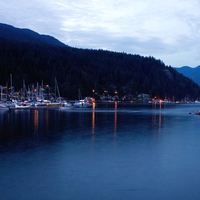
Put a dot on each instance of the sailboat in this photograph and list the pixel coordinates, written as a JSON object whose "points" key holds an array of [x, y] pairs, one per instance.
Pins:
{"points": [[66, 105], [82, 103], [22, 106], [55, 102], [2, 105]]}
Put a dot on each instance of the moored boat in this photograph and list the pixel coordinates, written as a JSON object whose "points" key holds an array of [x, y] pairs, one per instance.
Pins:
{"points": [[22, 105], [66, 105], [54, 104], [197, 112], [82, 104], [3, 106], [41, 103]]}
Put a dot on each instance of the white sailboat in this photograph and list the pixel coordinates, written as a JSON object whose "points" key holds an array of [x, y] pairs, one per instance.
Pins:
{"points": [[66, 105], [22, 106], [55, 102], [2, 105], [82, 103]]}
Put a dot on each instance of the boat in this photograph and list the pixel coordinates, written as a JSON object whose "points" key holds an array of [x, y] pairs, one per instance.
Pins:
{"points": [[54, 104], [41, 103], [197, 112], [22, 106], [66, 105], [55, 101], [10, 104], [82, 103], [3, 106]]}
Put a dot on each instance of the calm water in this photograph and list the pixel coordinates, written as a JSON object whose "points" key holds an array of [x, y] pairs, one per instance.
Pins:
{"points": [[110, 152]]}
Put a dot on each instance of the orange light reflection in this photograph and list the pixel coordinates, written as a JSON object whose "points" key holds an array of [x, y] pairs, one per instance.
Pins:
{"points": [[115, 119], [93, 119], [35, 121]]}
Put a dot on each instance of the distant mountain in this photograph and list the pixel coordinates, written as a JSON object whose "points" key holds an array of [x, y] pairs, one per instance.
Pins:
{"points": [[192, 73], [26, 35]]}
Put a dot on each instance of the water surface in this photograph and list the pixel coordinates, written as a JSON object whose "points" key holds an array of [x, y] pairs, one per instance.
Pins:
{"points": [[109, 152]]}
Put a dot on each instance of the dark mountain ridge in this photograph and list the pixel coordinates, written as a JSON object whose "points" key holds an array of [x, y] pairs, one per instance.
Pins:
{"points": [[94, 72], [26, 35]]}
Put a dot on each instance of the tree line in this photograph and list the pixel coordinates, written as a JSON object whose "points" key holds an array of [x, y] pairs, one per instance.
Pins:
{"points": [[93, 72]]}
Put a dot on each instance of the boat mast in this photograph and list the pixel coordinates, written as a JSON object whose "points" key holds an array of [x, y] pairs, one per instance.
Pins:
{"points": [[79, 95], [56, 88], [42, 92], [11, 85]]}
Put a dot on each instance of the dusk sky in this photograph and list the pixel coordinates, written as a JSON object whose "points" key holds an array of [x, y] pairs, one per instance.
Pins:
{"points": [[168, 30]]}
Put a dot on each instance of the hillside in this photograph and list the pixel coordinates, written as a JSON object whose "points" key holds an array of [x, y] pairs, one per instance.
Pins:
{"points": [[26, 35], [94, 72], [192, 73]]}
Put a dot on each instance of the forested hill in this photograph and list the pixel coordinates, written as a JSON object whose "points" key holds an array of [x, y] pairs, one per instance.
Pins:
{"points": [[91, 70], [26, 35]]}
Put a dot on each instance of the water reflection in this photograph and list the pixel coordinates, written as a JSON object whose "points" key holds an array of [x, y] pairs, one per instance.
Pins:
{"points": [[157, 118], [158, 105], [115, 119], [20, 128], [93, 121], [47, 119], [35, 119], [111, 119], [69, 164]]}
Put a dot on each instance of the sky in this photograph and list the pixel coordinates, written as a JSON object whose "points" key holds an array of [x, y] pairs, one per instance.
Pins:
{"points": [[168, 30]]}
